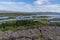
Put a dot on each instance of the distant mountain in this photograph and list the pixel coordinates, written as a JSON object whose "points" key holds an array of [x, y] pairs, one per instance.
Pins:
{"points": [[46, 13], [5, 11], [14, 13]]}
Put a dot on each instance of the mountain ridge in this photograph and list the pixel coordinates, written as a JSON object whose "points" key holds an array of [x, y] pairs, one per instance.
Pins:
{"points": [[7, 13]]}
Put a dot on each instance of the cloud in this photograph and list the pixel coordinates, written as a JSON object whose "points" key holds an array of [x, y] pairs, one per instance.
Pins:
{"points": [[16, 6], [39, 6], [41, 2], [48, 8], [10, 3]]}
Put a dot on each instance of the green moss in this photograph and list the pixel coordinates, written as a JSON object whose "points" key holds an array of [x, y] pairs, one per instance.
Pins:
{"points": [[19, 24], [40, 38]]}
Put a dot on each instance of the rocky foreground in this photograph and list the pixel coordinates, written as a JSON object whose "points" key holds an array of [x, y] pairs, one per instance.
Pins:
{"points": [[32, 33]]}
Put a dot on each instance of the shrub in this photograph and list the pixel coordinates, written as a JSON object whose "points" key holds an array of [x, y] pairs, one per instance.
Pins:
{"points": [[10, 25]]}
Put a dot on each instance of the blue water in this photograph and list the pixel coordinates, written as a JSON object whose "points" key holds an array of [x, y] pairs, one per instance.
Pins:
{"points": [[4, 17]]}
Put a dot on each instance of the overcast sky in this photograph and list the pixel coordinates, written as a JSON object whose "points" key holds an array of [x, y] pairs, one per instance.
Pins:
{"points": [[30, 5]]}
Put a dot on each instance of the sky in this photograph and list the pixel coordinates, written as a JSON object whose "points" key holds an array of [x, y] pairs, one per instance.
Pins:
{"points": [[30, 5]]}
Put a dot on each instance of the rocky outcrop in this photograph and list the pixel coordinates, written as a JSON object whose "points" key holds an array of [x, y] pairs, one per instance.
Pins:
{"points": [[23, 34], [50, 32], [32, 33]]}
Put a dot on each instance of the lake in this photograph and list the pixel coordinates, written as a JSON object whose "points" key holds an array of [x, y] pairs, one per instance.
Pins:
{"points": [[6, 18]]}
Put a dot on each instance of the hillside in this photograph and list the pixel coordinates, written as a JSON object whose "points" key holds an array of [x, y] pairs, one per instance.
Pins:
{"points": [[13, 13]]}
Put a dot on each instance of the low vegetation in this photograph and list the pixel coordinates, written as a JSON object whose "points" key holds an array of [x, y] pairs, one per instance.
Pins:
{"points": [[17, 24]]}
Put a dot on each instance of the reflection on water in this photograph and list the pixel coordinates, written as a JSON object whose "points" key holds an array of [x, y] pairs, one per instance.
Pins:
{"points": [[54, 21], [5, 18]]}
